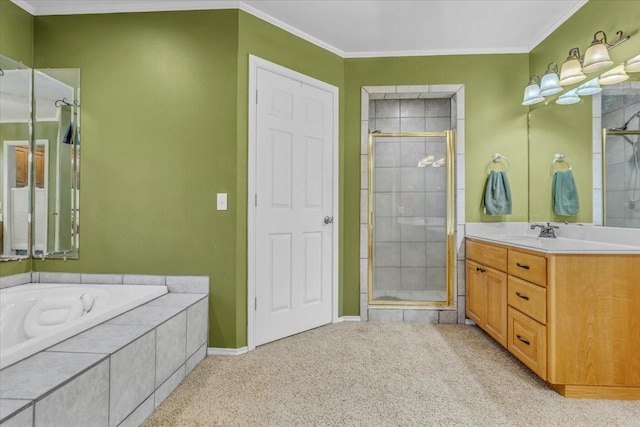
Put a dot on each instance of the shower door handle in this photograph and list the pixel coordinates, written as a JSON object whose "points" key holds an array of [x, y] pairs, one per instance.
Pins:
{"points": [[328, 220]]}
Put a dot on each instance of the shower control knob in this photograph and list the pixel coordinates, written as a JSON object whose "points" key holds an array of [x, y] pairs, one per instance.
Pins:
{"points": [[328, 220]]}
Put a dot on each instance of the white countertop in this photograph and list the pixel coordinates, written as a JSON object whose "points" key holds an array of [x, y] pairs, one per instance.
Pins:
{"points": [[578, 240]]}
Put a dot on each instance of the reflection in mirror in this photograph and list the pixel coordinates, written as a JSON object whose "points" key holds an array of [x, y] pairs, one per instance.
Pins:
{"points": [[15, 137], [611, 196], [57, 136], [621, 162]]}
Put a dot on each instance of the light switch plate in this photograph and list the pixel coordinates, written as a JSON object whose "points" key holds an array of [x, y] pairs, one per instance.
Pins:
{"points": [[222, 201]]}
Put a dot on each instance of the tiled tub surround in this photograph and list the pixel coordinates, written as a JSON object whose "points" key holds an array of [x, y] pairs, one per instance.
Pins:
{"points": [[115, 373], [410, 109]]}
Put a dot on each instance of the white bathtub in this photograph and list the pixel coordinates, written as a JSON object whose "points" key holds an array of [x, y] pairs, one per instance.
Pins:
{"points": [[38, 315]]}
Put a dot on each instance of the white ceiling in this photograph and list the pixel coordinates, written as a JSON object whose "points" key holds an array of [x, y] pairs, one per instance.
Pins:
{"points": [[369, 28]]}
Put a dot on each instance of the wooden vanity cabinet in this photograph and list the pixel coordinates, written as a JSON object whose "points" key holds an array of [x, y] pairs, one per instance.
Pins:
{"points": [[487, 289], [486, 300], [572, 319]]}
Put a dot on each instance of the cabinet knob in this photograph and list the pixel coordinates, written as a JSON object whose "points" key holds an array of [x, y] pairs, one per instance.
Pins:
{"points": [[523, 340], [522, 296], [526, 267]]}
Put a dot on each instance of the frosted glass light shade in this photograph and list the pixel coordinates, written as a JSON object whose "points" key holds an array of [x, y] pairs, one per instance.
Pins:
{"points": [[568, 98], [571, 72], [633, 65], [596, 57], [550, 84], [589, 88], [532, 94], [613, 76]]}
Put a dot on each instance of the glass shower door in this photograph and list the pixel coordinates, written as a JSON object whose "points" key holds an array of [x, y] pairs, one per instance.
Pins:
{"points": [[411, 218]]}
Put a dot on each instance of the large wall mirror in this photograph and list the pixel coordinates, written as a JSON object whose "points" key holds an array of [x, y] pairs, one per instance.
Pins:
{"points": [[605, 165], [15, 143], [40, 158]]}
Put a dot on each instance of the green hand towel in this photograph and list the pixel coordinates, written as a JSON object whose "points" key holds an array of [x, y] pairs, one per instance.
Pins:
{"points": [[564, 194], [497, 194]]}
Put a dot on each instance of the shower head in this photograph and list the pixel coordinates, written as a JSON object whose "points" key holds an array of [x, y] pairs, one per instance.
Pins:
{"points": [[626, 125]]}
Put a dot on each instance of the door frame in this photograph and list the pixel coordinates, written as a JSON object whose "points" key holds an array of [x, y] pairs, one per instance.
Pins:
{"points": [[6, 196], [254, 64]]}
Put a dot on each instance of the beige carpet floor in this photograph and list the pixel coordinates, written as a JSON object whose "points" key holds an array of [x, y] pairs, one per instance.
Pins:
{"points": [[373, 374]]}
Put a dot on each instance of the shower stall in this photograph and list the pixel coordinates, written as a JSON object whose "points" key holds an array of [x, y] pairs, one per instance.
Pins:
{"points": [[621, 164], [411, 221]]}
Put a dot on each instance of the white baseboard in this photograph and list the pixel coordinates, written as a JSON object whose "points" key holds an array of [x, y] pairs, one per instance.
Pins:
{"points": [[215, 351], [348, 319]]}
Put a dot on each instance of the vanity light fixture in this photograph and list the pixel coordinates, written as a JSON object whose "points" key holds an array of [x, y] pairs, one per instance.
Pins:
{"points": [[596, 57], [550, 82], [568, 98], [614, 75], [571, 71], [590, 87], [532, 91], [633, 65]]}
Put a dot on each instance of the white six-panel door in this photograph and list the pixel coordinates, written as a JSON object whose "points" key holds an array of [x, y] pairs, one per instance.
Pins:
{"points": [[293, 206]]}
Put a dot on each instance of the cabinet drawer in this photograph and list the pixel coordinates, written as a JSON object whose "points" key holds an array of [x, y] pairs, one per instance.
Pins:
{"points": [[532, 268], [528, 298], [527, 340], [489, 255]]}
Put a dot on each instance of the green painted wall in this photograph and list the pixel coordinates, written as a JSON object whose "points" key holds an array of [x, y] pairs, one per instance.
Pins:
{"points": [[16, 33], [568, 129], [159, 140]]}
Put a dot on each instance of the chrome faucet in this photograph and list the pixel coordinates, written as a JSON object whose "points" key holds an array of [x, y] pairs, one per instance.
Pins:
{"points": [[546, 230]]}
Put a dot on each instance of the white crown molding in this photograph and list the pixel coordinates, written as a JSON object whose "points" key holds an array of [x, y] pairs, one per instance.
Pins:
{"points": [[435, 52], [558, 22], [75, 7], [24, 5], [296, 32]]}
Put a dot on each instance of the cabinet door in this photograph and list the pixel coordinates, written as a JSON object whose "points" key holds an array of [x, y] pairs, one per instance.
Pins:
{"points": [[39, 168], [496, 300], [22, 166], [476, 302]]}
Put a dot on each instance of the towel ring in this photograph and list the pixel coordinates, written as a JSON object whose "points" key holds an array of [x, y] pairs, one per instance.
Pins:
{"points": [[498, 159], [559, 158]]}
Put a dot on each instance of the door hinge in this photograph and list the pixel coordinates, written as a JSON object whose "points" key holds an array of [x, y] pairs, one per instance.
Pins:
{"points": [[256, 97], [256, 304], [255, 200]]}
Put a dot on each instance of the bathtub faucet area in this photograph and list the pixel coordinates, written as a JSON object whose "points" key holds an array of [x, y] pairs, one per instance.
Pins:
{"points": [[546, 230]]}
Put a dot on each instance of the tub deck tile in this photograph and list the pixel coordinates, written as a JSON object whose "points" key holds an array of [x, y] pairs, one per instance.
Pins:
{"points": [[39, 374], [84, 401], [189, 284], [176, 300], [146, 315], [104, 338], [10, 407]]}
